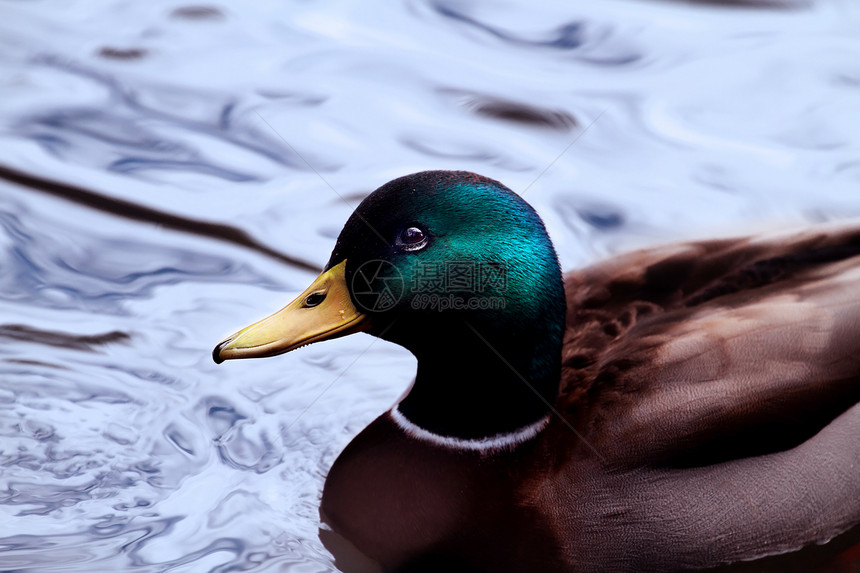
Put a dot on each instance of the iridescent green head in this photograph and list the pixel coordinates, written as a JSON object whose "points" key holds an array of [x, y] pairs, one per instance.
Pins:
{"points": [[447, 245], [458, 269]]}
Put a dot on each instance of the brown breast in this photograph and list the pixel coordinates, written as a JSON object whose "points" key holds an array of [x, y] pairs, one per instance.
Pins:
{"points": [[412, 505]]}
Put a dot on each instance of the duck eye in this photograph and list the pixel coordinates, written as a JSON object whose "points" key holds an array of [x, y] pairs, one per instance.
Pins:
{"points": [[412, 239], [412, 235]]}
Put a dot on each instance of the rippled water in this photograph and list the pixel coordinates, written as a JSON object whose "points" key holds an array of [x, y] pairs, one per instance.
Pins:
{"points": [[169, 172]]}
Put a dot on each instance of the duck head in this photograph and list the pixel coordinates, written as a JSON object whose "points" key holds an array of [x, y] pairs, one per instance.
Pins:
{"points": [[458, 269]]}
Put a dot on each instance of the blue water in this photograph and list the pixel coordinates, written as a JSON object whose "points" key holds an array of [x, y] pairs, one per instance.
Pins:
{"points": [[210, 156]]}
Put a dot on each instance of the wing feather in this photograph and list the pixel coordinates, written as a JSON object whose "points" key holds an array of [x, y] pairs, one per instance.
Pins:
{"points": [[703, 352]]}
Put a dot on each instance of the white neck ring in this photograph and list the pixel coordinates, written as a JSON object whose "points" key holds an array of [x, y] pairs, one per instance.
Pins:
{"points": [[506, 441]]}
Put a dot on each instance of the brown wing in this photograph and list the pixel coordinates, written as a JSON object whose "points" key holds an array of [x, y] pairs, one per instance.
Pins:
{"points": [[719, 383], [703, 352]]}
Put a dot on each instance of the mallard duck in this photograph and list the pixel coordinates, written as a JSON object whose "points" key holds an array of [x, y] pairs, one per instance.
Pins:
{"points": [[676, 408]]}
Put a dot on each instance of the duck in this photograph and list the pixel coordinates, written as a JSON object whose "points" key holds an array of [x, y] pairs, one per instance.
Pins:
{"points": [[683, 407]]}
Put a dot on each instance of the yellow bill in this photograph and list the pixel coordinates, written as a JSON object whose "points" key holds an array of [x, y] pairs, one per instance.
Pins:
{"points": [[323, 311]]}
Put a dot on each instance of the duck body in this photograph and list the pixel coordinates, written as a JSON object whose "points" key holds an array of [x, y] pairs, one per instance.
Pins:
{"points": [[678, 408]]}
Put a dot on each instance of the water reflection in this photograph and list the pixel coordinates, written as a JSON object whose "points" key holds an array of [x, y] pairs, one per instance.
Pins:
{"points": [[172, 172]]}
